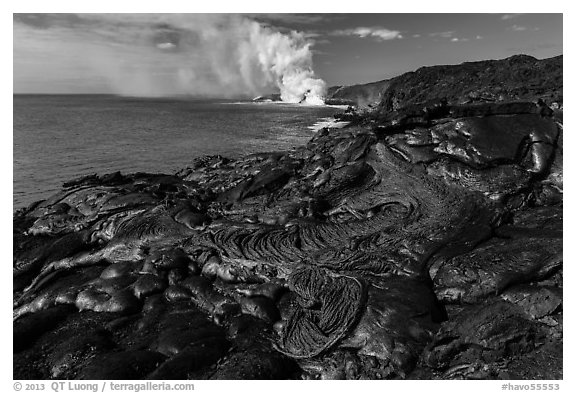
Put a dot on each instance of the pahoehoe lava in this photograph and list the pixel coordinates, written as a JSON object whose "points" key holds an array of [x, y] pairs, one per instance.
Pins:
{"points": [[422, 241]]}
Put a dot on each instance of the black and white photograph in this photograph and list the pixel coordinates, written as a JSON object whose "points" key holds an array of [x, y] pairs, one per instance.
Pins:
{"points": [[286, 196]]}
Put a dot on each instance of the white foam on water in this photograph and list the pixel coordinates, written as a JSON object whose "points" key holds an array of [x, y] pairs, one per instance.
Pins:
{"points": [[327, 122], [284, 104]]}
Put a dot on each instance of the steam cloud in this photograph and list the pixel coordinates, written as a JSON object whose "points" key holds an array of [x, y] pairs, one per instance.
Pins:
{"points": [[286, 60], [160, 55]]}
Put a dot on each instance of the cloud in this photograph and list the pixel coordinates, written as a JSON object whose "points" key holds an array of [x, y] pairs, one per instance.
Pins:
{"points": [[160, 54], [518, 28], [447, 35], [479, 37], [166, 45], [442, 34], [46, 21], [311, 34], [298, 19], [509, 16], [378, 33]]}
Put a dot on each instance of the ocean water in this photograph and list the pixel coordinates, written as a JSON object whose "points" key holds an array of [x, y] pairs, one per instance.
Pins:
{"points": [[57, 138]]}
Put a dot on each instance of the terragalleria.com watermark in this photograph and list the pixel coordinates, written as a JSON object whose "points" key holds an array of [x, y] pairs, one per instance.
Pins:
{"points": [[104, 386]]}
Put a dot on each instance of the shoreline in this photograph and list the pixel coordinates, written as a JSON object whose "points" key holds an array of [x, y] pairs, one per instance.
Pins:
{"points": [[39, 173]]}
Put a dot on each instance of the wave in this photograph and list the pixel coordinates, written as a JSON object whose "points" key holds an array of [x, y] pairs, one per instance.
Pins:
{"points": [[284, 103], [327, 122]]}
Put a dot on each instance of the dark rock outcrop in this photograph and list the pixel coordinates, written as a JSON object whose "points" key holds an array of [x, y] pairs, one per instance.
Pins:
{"points": [[364, 95], [519, 77]]}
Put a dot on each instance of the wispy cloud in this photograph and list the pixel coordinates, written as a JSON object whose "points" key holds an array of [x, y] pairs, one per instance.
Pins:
{"points": [[166, 45], [510, 16], [311, 34], [518, 28], [315, 37], [449, 35], [442, 34], [378, 33], [299, 19]]}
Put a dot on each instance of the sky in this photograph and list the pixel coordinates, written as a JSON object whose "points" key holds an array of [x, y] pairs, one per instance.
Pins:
{"points": [[232, 54]]}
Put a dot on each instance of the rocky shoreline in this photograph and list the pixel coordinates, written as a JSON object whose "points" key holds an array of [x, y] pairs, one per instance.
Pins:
{"points": [[422, 241]]}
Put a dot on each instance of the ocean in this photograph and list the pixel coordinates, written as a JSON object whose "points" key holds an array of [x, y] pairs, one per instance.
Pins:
{"points": [[60, 137]]}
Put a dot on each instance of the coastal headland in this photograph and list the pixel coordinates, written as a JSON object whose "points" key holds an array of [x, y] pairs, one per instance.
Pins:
{"points": [[421, 241]]}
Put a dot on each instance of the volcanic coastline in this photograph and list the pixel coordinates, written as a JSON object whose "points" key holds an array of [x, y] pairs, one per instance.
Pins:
{"points": [[421, 241]]}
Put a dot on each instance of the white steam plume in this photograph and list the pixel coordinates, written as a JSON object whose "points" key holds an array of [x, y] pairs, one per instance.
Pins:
{"points": [[165, 54], [285, 59]]}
